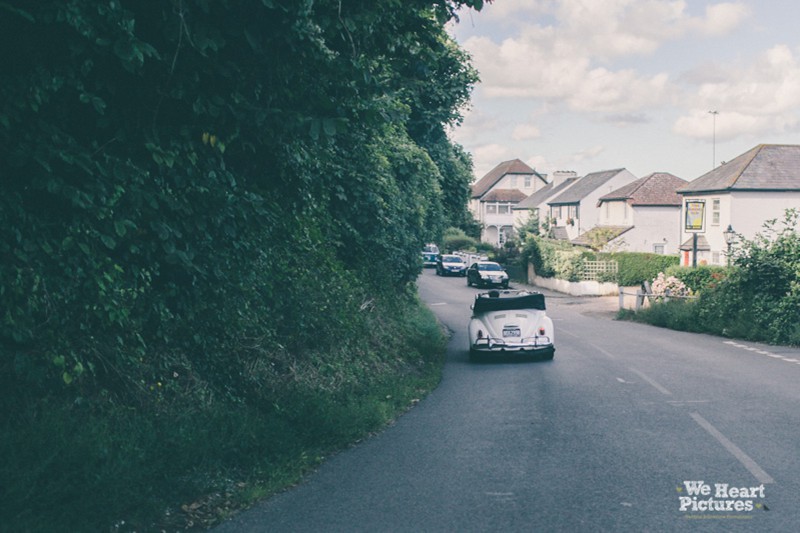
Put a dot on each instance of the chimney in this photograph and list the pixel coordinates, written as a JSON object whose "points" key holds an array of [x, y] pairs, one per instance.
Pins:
{"points": [[560, 176]]}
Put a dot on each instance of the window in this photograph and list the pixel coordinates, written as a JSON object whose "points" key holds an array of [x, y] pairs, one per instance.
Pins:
{"points": [[659, 248], [715, 212], [491, 209], [503, 209], [715, 258], [527, 182], [572, 211]]}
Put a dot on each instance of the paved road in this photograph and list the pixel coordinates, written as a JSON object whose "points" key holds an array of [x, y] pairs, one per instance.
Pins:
{"points": [[599, 439]]}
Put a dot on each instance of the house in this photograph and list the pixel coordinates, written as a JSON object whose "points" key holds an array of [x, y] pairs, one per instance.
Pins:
{"points": [[497, 192], [534, 206], [643, 216], [742, 194], [576, 210]]}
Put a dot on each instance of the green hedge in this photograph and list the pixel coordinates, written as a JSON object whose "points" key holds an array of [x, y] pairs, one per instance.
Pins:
{"points": [[700, 278], [564, 261], [636, 268]]}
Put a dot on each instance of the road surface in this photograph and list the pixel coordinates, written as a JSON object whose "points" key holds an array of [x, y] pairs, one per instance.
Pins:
{"points": [[629, 428]]}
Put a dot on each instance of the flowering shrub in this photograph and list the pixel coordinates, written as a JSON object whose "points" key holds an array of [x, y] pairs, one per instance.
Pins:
{"points": [[668, 286]]}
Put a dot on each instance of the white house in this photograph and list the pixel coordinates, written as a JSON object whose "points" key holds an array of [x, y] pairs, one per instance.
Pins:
{"points": [[494, 195], [757, 186], [643, 216], [535, 206], [576, 210]]}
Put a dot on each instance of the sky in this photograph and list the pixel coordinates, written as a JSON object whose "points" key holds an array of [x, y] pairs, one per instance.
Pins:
{"points": [[590, 85]]}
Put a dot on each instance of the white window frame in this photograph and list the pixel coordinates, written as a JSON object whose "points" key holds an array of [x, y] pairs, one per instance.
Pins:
{"points": [[715, 210]]}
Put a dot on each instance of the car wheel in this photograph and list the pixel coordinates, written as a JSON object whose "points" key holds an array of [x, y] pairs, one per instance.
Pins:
{"points": [[469, 283]]}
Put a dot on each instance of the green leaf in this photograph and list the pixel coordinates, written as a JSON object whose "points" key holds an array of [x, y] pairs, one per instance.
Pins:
{"points": [[66, 377], [316, 125], [329, 127], [120, 228], [108, 241]]}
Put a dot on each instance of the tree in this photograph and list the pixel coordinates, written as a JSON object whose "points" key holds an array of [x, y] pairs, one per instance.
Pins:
{"points": [[179, 167]]}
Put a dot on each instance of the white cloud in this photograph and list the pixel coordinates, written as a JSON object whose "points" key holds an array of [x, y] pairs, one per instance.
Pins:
{"points": [[525, 132], [587, 153], [757, 98], [722, 19], [487, 156], [567, 56]]}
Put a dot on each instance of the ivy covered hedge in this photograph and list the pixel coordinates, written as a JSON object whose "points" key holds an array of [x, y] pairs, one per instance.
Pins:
{"points": [[635, 267], [201, 198]]}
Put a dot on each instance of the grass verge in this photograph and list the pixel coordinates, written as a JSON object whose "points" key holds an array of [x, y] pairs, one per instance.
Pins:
{"points": [[113, 468]]}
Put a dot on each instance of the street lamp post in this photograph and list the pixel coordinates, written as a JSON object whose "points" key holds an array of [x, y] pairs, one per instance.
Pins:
{"points": [[714, 139], [729, 235]]}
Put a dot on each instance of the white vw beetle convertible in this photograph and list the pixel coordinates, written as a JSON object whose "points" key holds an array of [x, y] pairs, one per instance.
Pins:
{"points": [[510, 323]]}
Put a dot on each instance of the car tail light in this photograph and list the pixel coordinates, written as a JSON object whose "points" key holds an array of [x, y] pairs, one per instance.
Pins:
{"points": [[541, 331]]}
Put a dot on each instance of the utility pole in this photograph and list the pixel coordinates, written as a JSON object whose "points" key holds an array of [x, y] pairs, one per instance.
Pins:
{"points": [[714, 139]]}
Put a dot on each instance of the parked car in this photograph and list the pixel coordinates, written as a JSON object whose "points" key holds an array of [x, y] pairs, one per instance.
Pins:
{"points": [[495, 332], [487, 274], [432, 248], [450, 265]]}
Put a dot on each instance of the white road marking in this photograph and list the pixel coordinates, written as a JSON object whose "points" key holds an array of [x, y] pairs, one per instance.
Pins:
{"points": [[734, 450], [652, 382], [761, 352], [438, 303]]}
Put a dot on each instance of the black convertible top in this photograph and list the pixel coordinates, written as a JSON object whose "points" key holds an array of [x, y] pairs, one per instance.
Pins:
{"points": [[485, 302]]}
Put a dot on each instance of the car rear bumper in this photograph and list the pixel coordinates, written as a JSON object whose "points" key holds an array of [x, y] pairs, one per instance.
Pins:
{"points": [[537, 344]]}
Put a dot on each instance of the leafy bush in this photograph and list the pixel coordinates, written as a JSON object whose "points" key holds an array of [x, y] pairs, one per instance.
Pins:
{"points": [[758, 299], [674, 314], [557, 259], [636, 268], [699, 278], [455, 239]]}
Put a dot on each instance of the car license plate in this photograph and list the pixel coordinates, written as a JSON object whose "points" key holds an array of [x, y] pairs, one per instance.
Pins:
{"points": [[511, 332]]}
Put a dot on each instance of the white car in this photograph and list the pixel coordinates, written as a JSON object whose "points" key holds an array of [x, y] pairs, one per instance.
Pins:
{"points": [[450, 265], [510, 323]]}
